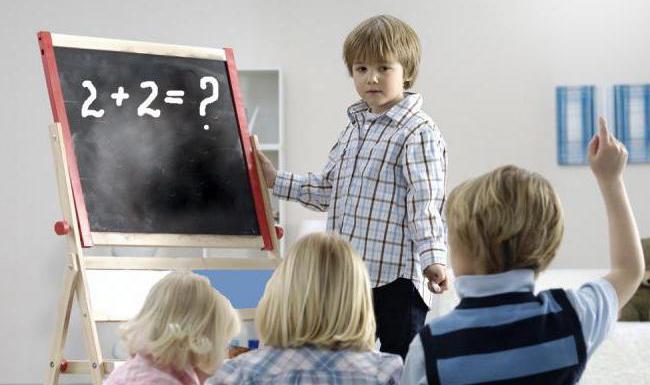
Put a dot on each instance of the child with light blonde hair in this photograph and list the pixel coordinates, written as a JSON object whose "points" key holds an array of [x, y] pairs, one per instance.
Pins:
{"points": [[505, 228], [180, 336], [316, 322]]}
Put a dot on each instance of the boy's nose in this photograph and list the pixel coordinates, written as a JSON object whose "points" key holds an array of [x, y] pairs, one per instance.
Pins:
{"points": [[373, 77]]}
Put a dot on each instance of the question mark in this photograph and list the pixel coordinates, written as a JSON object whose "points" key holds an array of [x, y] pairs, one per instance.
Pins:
{"points": [[215, 95]]}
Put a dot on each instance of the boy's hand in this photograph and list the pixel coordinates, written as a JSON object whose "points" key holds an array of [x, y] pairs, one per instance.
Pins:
{"points": [[437, 276], [607, 156], [268, 169]]}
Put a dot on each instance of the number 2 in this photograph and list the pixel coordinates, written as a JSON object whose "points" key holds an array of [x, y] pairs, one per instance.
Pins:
{"points": [[85, 111], [143, 109]]}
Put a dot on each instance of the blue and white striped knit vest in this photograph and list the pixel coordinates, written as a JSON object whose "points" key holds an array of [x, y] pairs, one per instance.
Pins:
{"points": [[511, 338]]}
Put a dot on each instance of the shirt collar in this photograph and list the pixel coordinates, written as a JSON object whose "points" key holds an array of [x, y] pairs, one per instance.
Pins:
{"points": [[410, 105], [521, 280]]}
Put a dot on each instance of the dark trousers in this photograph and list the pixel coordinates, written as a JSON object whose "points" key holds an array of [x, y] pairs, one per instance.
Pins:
{"points": [[400, 313]]}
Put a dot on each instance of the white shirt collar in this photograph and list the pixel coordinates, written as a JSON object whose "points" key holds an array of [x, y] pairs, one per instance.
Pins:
{"points": [[491, 284]]}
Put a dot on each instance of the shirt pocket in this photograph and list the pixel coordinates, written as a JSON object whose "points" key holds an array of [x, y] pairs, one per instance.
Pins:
{"points": [[382, 163]]}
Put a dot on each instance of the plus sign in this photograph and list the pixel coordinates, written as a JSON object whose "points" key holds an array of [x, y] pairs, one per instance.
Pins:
{"points": [[119, 96]]}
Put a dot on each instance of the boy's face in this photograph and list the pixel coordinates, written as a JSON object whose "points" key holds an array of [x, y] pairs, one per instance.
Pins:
{"points": [[380, 85]]}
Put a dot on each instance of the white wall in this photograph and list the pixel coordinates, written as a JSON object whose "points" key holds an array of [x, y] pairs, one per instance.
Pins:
{"points": [[488, 75]]}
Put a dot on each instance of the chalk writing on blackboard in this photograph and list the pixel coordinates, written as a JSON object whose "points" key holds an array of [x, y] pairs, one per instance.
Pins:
{"points": [[144, 108]]}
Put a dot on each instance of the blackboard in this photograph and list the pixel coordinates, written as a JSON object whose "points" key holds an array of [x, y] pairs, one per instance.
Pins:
{"points": [[157, 141]]}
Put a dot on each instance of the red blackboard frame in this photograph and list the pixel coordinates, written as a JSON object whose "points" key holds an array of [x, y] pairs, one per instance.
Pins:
{"points": [[88, 238]]}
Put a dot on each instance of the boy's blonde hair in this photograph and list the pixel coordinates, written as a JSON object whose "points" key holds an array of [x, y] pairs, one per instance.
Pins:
{"points": [[506, 219], [184, 322], [320, 296], [384, 37]]}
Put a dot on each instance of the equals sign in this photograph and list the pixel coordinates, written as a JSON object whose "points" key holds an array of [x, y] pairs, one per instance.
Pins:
{"points": [[174, 97]]}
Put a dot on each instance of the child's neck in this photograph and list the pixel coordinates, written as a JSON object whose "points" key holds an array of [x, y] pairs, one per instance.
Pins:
{"points": [[385, 107]]}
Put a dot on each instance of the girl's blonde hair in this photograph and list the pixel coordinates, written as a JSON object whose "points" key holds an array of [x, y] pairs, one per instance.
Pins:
{"points": [[319, 295], [381, 38], [506, 219], [183, 322]]}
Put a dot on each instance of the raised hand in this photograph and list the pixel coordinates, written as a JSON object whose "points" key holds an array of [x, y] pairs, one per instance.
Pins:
{"points": [[607, 156]]}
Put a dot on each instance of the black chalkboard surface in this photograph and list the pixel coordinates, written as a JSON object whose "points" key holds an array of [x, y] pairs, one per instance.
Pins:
{"points": [[157, 141]]}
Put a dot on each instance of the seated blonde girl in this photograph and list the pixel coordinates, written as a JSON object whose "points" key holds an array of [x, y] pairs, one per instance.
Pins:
{"points": [[180, 335], [316, 322]]}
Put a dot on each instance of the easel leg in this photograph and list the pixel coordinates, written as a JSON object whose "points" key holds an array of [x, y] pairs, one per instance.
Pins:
{"points": [[78, 284], [93, 347], [61, 329]]}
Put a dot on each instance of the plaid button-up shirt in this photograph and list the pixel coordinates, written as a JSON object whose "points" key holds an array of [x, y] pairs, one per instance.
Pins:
{"points": [[383, 188], [309, 366]]}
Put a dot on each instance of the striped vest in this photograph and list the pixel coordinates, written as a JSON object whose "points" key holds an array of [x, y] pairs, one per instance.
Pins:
{"points": [[511, 338]]}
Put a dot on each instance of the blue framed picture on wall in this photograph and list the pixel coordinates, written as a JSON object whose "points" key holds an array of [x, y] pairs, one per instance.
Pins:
{"points": [[576, 117], [632, 120]]}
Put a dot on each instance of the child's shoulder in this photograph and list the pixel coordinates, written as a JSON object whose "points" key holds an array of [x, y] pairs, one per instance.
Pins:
{"points": [[588, 297], [410, 116], [383, 366], [390, 367], [139, 371], [273, 363], [252, 357], [380, 358], [422, 128], [594, 302], [411, 113], [421, 118]]}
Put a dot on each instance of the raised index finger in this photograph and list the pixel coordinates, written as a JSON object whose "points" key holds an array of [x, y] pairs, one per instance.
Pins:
{"points": [[603, 132]]}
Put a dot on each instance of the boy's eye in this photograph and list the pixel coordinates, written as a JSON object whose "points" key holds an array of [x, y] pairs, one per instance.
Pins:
{"points": [[360, 69], [384, 68]]}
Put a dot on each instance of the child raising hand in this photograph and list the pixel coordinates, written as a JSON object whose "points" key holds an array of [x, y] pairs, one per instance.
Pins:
{"points": [[504, 229]]}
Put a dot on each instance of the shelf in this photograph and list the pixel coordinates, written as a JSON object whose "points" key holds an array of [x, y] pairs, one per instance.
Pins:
{"points": [[261, 90]]}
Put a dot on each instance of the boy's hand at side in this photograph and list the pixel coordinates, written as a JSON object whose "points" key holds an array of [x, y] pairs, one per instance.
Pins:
{"points": [[607, 158], [437, 276], [268, 169]]}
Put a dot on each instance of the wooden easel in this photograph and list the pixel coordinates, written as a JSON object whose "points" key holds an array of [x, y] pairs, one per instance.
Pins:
{"points": [[76, 281]]}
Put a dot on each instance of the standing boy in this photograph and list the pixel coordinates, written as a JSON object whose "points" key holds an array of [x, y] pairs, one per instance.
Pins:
{"points": [[383, 186]]}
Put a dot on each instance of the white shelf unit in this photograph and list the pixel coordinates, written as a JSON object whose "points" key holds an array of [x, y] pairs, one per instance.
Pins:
{"points": [[261, 90]]}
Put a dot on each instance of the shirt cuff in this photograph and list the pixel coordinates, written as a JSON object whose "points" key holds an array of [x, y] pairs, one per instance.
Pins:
{"points": [[283, 186], [431, 256]]}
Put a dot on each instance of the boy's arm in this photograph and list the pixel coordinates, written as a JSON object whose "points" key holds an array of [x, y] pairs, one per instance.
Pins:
{"points": [[313, 190], [424, 166], [607, 158]]}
